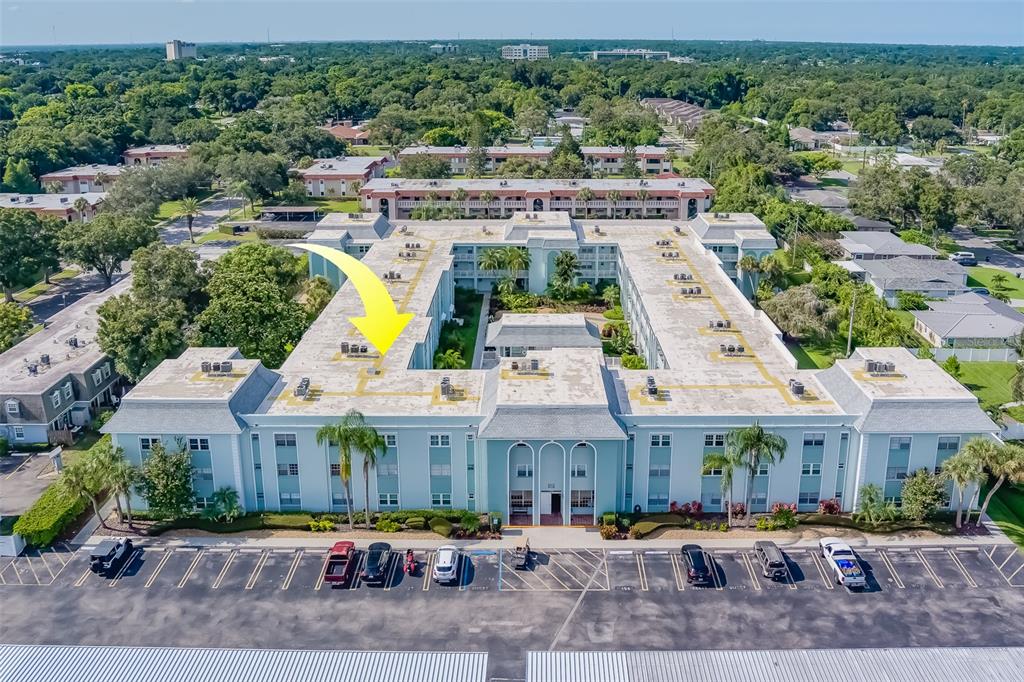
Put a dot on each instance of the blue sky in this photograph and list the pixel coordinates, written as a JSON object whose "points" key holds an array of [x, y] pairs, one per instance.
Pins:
{"points": [[963, 22]]}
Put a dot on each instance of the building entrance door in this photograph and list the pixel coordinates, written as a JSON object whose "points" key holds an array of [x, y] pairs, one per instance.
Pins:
{"points": [[556, 503]]}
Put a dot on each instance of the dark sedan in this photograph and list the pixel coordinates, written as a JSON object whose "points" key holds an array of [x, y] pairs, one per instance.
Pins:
{"points": [[697, 564], [378, 557]]}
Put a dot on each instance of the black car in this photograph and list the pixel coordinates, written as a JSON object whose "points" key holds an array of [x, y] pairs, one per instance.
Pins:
{"points": [[109, 556], [376, 567], [698, 565]]}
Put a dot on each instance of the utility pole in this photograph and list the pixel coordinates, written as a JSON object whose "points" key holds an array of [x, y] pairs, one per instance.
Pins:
{"points": [[849, 332]]}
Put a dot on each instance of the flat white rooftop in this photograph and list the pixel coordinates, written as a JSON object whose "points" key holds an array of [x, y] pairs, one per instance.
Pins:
{"points": [[342, 166], [50, 202], [534, 185]]}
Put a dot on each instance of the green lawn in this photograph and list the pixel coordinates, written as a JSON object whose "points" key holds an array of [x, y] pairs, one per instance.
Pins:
{"points": [[1007, 510], [339, 205], [990, 381], [463, 339], [40, 288], [817, 354], [217, 236], [169, 209], [367, 150], [982, 277]]}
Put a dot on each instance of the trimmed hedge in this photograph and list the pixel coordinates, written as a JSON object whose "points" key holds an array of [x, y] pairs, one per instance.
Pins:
{"points": [[416, 523], [249, 522], [441, 526], [49, 516]]}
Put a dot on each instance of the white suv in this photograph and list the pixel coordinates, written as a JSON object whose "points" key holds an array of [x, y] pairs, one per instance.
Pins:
{"points": [[446, 564]]}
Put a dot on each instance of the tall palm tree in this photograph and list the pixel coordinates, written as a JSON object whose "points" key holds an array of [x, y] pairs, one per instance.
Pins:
{"points": [[613, 197], [567, 265], [370, 443], [642, 196], [115, 473], [584, 196], [1005, 462], [728, 462], [459, 197], [506, 285], [492, 260], [517, 259], [753, 445], [246, 192], [79, 480], [343, 434], [189, 210], [773, 268], [81, 206], [450, 359], [961, 469], [487, 197], [750, 266]]}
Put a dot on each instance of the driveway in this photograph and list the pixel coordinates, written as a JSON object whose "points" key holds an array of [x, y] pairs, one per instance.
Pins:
{"points": [[70, 290], [987, 251], [23, 478], [176, 231]]}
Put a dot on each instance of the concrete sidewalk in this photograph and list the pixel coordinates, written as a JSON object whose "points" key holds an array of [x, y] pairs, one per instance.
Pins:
{"points": [[563, 538]]}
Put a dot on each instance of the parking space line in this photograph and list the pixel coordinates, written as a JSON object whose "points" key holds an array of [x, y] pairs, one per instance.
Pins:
{"points": [[962, 568], [223, 571], [464, 573], [255, 575], [931, 571], [891, 569], [427, 571], [544, 566], [291, 571], [124, 567], [822, 573], [750, 570], [998, 569], [643, 572], [568, 573], [598, 569], [28, 560], [1007, 559], [46, 565], [1014, 574], [715, 578], [323, 570], [81, 578], [191, 568], [391, 574], [677, 571], [991, 551], [356, 576]]}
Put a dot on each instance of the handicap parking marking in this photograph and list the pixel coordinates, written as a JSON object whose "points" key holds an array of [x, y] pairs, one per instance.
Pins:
{"points": [[565, 564], [541, 569], [257, 569], [592, 567]]}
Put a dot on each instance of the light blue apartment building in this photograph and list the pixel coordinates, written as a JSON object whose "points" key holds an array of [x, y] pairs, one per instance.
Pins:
{"points": [[545, 428]]}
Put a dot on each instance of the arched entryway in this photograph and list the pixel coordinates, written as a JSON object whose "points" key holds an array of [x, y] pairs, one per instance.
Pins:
{"points": [[521, 463], [691, 209], [538, 204], [582, 484], [385, 207], [551, 484]]}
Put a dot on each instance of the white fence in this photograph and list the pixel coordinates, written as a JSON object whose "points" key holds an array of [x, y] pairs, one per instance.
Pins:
{"points": [[975, 354]]}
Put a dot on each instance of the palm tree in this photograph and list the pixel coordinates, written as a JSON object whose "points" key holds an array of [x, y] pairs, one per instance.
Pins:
{"points": [[1017, 381], [516, 258], [773, 268], [450, 359], [459, 197], [584, 196], [492, 259], [728, 462], [189, 210], [81, 206], [245, 190], [961, 469], [1005, 462], [613, 197], [750, 266], [642, 196], [506, 285], [487, 197], [103, 180], [115, 473], [343, 434], [752, 445], [611, 295], [872, 508], [567, 266], [79, 480], [370, 443]]}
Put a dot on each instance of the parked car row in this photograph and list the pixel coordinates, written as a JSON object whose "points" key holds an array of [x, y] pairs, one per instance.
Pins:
{"points": [[839, 558]]}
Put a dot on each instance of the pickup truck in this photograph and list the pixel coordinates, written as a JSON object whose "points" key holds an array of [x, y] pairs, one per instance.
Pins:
{"points": [[842, 562], [340, 562]]}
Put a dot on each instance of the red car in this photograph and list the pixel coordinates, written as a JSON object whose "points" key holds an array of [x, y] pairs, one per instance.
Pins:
{"points": [[341, 562]]}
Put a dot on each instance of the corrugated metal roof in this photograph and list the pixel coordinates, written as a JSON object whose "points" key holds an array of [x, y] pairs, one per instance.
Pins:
{"points": [[796, 665], [152, 664]]}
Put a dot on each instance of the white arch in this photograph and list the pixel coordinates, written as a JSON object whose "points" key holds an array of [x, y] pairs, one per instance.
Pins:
{"points": [[593, 448], [565, 477], [508, 473]]}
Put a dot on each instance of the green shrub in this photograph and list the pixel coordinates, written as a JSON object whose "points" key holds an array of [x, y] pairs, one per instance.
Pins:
{"points": [[242, 524], [785, 517], [608, 519], [50, 514], [386, 526], [416, 523], [631, 361], [614, 314], [321, 526], [286, 521], [470, 522], [101, 419], [442, 527], [5, 447], [608, 531]]}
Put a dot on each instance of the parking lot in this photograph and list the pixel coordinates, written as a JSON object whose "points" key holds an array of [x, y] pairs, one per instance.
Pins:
{"points": [[581, 599]]}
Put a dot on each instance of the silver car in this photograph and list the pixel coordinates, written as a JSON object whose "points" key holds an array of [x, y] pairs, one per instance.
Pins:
{"points": [[446, 564]]}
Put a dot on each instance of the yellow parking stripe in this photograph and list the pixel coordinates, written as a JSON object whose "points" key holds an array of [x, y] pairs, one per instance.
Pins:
{"points": [[32, 568], [223, 571], [81, 578], [825, 578], [390, 580], [46, 565], [642, 571], [677, 571], [751, 571], [427, 571], [891, 569]]}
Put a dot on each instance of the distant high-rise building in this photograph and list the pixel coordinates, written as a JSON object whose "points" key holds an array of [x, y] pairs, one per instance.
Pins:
{"points": [[525, 51], [178, 49], [447, 48]]}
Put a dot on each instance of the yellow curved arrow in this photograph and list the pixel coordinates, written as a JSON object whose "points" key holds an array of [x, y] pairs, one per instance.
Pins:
{"points": [[382, 323]]}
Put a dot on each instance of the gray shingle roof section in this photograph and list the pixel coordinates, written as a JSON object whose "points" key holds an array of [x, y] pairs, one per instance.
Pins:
{"points": [[883, 244], [554, 423], [152, 664], [973, 316], [924, 417], [997, 664], [914, 273], [543, 331], [173, 417]]}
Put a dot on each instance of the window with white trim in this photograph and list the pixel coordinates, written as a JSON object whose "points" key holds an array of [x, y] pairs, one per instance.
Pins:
{"points": [[579, 471], [814, 439], [97, 376], [390, 440], [524, 470], [106, 370], [68, 391], [12, 406], [714, 471], [339, 500], [202, 473], [948, 444], [810, 469], [895, 473], [714, 440], [387, 499], [440, 469], [440, 440], [657, 500], [55, 398], [661, 440], [284, 440], [291, 499], [19, 433], [291, 469], [146, 443], [520, 499], [441, 499], [659, 471], [390, 469], [807, 498], [198, 444], [762, 469], [581, 498], [203, 502], [335, 469]]}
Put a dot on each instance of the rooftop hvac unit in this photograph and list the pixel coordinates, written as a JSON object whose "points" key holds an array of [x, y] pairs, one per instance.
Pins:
{"points": [[732, 349], [225, 366], [216, 367], [889, 367], [727, 323], [402, 229], [205, 367], [364, 350], [870, 366], [797, 387], [44, 359], [722, 348], [515, 366], [534, 365], [73, 342], [33, 369], [741, 350], [652, 386], [344, 346]]}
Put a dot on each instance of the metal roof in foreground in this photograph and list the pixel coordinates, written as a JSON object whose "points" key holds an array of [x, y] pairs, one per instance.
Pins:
{"points": [[797, 665], [152, 664]]}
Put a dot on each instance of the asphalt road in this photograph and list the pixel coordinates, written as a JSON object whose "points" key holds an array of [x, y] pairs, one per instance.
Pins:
{"points": [[569, 600]]}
